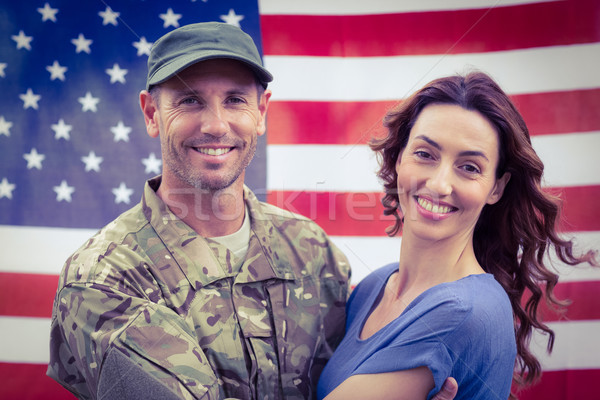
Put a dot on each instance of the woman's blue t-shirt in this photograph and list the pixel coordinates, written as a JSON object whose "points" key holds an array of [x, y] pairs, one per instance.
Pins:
{"points": [[462, 329]]}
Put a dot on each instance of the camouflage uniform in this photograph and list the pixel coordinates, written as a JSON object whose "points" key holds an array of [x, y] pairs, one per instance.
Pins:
{"points": [[149, 289]]}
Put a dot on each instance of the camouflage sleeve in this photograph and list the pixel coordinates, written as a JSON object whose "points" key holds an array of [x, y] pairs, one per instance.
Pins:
{"points": [[335, 323], [92, 320]]}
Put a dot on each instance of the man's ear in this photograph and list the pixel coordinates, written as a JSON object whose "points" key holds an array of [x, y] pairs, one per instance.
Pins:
{"points": [[149, 108], [263, 106], [499, 188]]}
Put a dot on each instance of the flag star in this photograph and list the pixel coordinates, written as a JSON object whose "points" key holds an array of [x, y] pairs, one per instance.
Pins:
{"points": [[30, 99], [109, 16], [121, 132], [232, 18], [116, 74], [152, 164], [64, 191], [56, 71], [48, 13], [61, 130], [82, 44], [122, 194], [170, 18], [5, 126], [3, 67], [6, 188], [34, 159], [92, 162], [89, 103], [23, 41], [143, 47]]}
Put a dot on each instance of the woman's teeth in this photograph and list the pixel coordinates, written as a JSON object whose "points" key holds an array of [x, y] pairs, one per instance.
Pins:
{"points": [[436, 209]]}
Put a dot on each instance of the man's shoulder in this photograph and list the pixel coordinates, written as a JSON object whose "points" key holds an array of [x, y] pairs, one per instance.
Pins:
{"points": [[279, 217], [116, 240]]}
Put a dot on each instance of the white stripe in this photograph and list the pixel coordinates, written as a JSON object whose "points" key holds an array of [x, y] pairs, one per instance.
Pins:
{"points": [[366, 254], [25, 340], [569, 159], [39, 250], [345, 7], [545, 69], [576, 346]]}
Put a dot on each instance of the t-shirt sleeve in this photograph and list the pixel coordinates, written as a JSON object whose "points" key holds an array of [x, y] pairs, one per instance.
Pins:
{"points": [[425, 335]]}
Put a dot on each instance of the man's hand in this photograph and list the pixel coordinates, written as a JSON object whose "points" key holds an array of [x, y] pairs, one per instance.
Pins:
{"points": [[449, 389]]}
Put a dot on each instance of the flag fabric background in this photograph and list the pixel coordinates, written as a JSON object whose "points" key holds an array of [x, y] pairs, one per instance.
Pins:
{"points": [[77, 155]]}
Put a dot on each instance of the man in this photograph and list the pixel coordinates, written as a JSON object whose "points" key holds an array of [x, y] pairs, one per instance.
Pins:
{"points": [[201, 291]]}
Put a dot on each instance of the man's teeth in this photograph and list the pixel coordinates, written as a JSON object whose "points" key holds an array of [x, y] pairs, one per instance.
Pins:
{"points": [[436, 209], [214, 152]]}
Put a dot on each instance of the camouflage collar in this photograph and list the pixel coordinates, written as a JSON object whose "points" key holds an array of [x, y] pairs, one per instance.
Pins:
{"points": [[194, 255]]}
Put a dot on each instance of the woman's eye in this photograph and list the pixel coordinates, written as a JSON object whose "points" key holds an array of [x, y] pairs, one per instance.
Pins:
{"points": [[423, 154], [471, 169]]}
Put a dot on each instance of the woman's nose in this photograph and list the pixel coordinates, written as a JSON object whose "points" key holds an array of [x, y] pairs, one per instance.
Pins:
{"points": [[440, 181]]}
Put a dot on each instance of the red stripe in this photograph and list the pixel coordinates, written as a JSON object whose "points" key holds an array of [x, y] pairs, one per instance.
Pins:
{"points": [[585, 303], [361, 214], [564, 385], [438, 32], [29, 382], [305, 122], [27, 295]]}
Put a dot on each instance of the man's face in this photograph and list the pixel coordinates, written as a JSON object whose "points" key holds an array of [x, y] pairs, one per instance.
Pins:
{"points": [[208, 118]]}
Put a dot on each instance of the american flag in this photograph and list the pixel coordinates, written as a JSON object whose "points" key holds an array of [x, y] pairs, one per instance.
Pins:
{"points": [[74, 152]]}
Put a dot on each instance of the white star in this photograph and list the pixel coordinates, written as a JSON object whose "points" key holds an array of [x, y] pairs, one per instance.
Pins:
{"points": [[232, 18], [6, 188], [170, 18], [30, 99], [116, 74], [89, 103], [64, 191], [3, 66], [92, 162], [143, 47], [82, 44], [122, 194], [61, 130], [5, 126], [121, 132], [48, 13], [34, 159], [152, 164], [23, 41], [109, 16], [56, 71]]}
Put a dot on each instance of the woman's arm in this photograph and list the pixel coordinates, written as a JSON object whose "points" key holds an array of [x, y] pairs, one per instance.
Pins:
{"points": [[409, 384]]}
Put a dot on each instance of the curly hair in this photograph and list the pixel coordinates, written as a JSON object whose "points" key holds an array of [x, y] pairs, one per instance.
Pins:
{"points": [[512, 236]]}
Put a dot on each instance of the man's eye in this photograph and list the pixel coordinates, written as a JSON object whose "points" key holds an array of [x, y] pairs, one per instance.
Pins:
{"points": [[189, 100], [235, 100]]}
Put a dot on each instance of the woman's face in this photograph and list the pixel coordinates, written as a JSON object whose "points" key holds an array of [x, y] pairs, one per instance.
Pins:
{"points": [[447, 172]]}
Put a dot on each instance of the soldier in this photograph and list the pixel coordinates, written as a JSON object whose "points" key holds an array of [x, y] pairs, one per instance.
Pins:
{"points": [[200, 290]]}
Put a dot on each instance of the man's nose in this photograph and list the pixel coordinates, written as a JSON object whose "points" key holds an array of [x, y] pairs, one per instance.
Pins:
{"points": [[213, 122]]}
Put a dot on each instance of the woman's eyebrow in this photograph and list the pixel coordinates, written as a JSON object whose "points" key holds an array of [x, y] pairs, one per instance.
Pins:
{"points": [[466, 153]]}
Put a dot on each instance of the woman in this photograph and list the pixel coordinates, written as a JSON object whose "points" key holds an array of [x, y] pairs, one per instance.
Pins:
{"points": [[458, 166]]}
